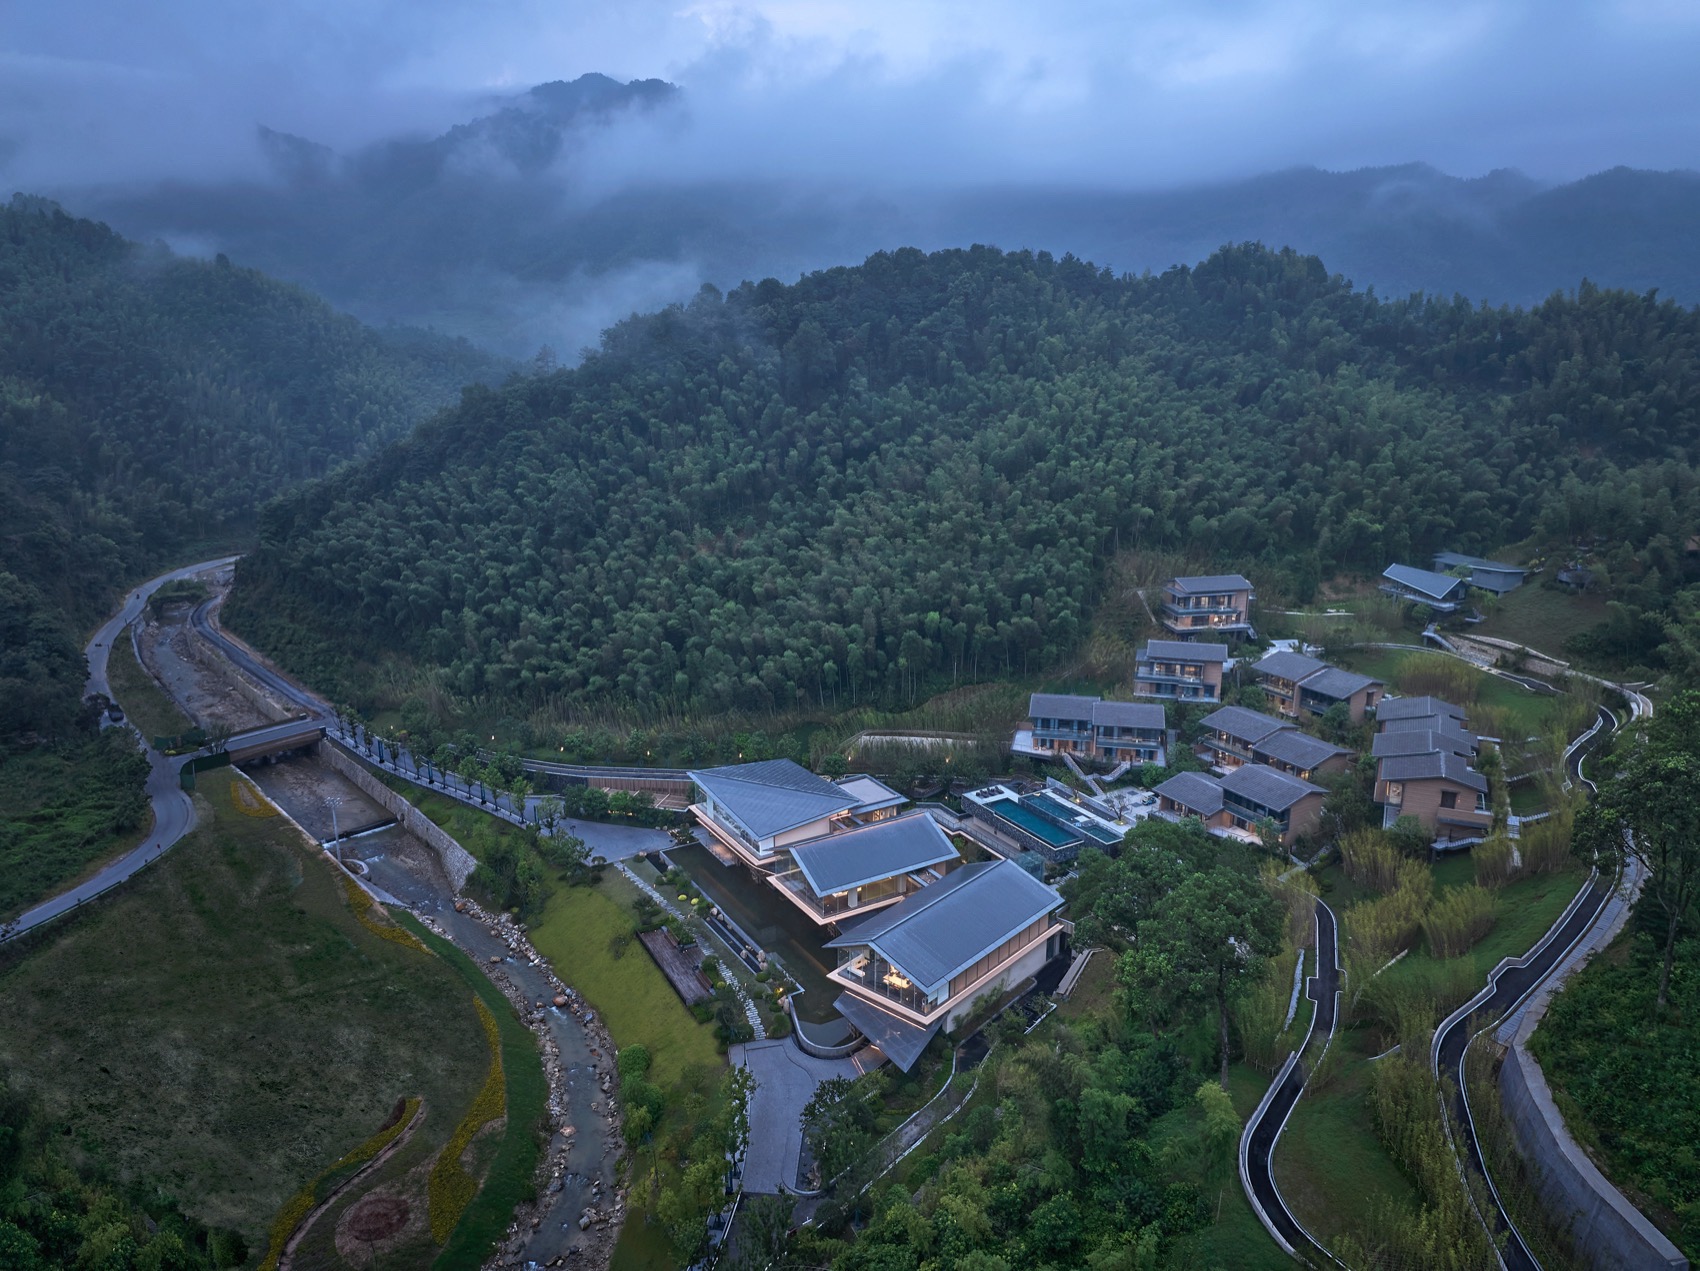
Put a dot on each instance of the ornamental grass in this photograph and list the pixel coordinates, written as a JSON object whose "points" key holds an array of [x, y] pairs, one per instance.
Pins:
{"points": [[362, 904], [249, 801], [451, 1188]]}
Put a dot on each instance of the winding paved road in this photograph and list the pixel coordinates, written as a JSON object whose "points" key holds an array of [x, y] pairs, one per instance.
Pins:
{"points": [[1508, 984], [173, 813], [1263, 1130]]}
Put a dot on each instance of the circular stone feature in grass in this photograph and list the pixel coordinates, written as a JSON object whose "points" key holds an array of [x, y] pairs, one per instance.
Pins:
{"points": [[377, 1217]]}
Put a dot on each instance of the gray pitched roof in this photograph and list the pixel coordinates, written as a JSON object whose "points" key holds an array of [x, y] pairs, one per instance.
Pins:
{"points": [[1418, 741], [1267, 786], [1059, 706], [899, 1040], [1207, 584], [1283, 665], [1182, 651], [1423, 581], [1437, 764], [1299, 749], [1130, 715], [1407, 707], [869, 793], [1193, 791], [1443, 725], [947, 926], [1331, 681], [1451, 560], [881, 850], [772, 796], [1245, 725]]}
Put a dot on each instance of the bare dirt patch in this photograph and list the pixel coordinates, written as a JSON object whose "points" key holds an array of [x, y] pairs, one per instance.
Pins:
{"points": [[200, 682], [384, 1220]]}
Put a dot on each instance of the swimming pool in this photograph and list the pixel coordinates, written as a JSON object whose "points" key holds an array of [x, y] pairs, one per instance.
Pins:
{"points": [[1027, 819]]}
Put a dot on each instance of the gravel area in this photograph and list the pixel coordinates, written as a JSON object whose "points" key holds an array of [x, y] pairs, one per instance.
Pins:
{"points": [[303, 787], [197, 680]]}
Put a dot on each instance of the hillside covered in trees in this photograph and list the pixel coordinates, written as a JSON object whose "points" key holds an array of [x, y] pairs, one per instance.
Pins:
{"points": [[148, 405], [890, 478]]}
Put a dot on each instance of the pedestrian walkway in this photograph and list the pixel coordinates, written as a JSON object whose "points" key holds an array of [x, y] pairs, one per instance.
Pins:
{"points": [[786, 1079]]}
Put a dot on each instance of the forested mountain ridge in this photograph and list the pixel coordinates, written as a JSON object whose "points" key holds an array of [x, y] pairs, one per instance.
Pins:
{"points": [[150, 403], [515, 229], [889, 478]]}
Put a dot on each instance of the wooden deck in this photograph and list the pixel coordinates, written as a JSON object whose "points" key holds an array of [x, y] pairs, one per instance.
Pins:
{"points": [[678, 965]]}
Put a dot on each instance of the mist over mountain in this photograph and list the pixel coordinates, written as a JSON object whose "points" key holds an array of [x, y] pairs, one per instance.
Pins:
{"points": [[549, 214]]}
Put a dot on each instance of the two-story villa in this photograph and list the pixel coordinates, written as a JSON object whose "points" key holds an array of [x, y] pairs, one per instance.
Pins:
{"points": [[1439, 789], [1213, 605], [1300, 686], [1180, 670], [1242, 800], [920, 965], [1423, 755], [830, 848], [1091, 728]]}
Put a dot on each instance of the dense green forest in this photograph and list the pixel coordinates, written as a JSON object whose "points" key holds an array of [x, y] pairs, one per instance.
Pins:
{"points": [[148, 405], [888, 479]]}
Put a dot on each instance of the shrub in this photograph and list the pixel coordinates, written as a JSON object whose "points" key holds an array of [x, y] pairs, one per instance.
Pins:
{"points": [[1378, 929], [1459, 920], [1545, 845], [362, 904], [1437, 675], [1370, 860], [633, 1061], [1493, 861]]}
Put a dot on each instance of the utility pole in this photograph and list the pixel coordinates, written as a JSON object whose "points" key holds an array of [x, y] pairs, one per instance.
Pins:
{"points": [[335, 802]]}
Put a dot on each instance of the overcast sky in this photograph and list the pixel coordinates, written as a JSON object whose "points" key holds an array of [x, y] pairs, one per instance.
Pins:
{"points": [[1111, 91]]}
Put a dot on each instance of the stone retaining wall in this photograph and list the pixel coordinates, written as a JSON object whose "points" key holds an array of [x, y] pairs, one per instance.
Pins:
{"points": [[457, 862]]}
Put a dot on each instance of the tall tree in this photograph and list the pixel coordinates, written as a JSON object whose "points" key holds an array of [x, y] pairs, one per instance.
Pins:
{"points": [[1206, 941]]}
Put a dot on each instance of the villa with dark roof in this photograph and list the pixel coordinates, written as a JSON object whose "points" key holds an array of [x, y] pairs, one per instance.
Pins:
{"points": [[1423, 759], [1091, 728], [1237, 803], [1180, 670], [1232, 736], [831, 848], [1298, 686], [920, 965], [1439, 789], [1214, 605], [1440, 592], [1489, 575]]}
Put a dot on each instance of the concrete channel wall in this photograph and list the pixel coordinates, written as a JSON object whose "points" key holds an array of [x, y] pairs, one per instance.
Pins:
{"points": [[457, 862], [1609, 1232]]}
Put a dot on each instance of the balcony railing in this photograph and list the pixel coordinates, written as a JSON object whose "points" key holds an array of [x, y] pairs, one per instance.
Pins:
{"points": [[1168, 672]]}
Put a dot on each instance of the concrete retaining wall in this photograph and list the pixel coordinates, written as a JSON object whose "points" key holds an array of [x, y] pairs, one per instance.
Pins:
{"points": [[457, 862], [1609, 1232]]}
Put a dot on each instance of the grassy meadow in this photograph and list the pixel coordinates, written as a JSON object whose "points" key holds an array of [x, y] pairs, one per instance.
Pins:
{"points": [[225, 1027]]}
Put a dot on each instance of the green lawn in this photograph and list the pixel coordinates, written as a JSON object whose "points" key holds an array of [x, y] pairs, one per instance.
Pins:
{"points": [[1542, 619], [586, 932], [1328, 1163], [149, 709], [226, 1028]]}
